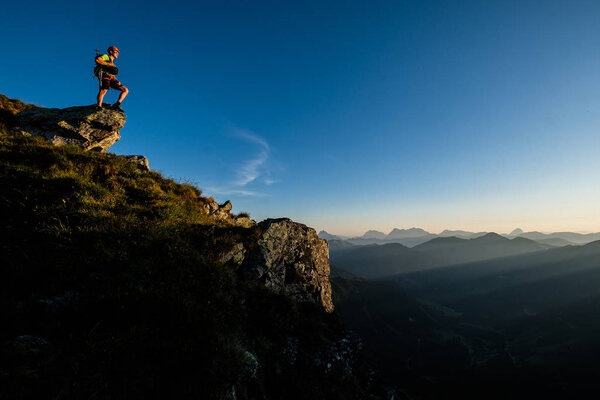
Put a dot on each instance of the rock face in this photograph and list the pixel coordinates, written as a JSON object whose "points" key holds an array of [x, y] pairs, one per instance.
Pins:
{"points": [[223, 212], [288, 258], [142, 161], [91, 129]]}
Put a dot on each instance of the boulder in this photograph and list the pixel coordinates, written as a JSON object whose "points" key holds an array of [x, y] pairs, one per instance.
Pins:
{"points": [[227, 206], [142, 161], [87, 127], [290, 258], [235, 255], [223, 212]]}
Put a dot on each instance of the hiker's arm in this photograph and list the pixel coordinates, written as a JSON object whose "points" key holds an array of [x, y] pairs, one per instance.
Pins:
{"points": [[100, 61]]}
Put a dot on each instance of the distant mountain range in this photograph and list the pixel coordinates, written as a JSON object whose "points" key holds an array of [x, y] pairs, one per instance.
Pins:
{"points": [[406, 233], [461, 234], [570, 270], [416, 236], [378, 261], [328, 236], [520, 324], [571, 237]]}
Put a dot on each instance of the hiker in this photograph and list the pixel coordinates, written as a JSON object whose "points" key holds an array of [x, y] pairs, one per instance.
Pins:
{"points": [[105, 71]]}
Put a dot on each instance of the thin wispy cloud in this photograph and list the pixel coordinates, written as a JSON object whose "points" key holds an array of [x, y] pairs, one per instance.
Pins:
{"points": [[251, 169], [251, 137], [251, 172], [233, 192]]}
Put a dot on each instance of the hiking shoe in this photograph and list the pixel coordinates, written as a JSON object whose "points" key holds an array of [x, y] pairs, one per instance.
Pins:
{"points": [[117, 107]]}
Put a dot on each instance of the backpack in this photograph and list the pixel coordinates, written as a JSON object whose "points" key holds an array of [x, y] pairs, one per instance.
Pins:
{"points": [[100, 70]]}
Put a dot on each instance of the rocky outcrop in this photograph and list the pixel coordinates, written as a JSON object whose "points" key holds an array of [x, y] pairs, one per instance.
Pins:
{"points": [[288, 258], [142, 161], [292, 259], [223, 212], [86, 127]]}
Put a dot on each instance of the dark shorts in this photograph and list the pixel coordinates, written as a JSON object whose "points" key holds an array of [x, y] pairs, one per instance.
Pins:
{"points": [[111, 83]]}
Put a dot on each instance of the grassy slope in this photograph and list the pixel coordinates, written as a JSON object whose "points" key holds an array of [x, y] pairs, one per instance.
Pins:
{"points": [[109, 289]]}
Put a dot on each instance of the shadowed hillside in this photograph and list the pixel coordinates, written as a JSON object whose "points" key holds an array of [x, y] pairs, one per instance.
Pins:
{"points": [[119, 283]]}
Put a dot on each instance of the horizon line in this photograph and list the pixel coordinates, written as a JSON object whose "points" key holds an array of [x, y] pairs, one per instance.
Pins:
{"points": [[455, 230]]}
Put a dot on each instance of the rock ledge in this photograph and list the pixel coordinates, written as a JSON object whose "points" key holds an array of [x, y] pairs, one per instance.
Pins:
{"points": [[86, 127]]}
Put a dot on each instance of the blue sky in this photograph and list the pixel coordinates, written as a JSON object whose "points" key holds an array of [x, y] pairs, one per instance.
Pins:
{"points": [[344, 115]]}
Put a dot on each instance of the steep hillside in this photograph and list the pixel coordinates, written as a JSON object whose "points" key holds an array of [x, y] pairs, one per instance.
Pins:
{"points": [[119, 283]]}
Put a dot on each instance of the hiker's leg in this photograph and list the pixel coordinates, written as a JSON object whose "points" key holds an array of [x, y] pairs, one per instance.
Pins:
{"points": [[124, 93], [100, 97]]}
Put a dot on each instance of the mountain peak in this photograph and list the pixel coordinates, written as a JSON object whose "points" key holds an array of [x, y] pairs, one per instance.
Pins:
{"points": [[373, 234], [328, 236], [406, 233], [516, 232], [491, 236]]}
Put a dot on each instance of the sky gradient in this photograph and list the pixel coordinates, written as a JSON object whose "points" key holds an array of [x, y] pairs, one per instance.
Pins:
{"points": [[346, 116]]}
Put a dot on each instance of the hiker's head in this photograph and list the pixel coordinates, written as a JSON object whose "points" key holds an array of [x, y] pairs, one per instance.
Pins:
{"points": [[113, 51]]}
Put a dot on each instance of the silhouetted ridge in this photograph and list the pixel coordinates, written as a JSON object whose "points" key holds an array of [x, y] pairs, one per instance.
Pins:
{"points": [[406, 233], [373, 234], [593, 245], [440, 241], [491, 237]]}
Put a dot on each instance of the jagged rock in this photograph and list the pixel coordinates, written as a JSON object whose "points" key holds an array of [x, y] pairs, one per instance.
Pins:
{"points": [[142, 161], [211, 207], [223, 212], [244, 222], [235, 255], [226, 207], [287, 257], [290, 258], [85, 126]]}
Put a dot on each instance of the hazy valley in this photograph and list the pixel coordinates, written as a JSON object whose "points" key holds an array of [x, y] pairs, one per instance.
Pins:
{"points": [[491, 316]]}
